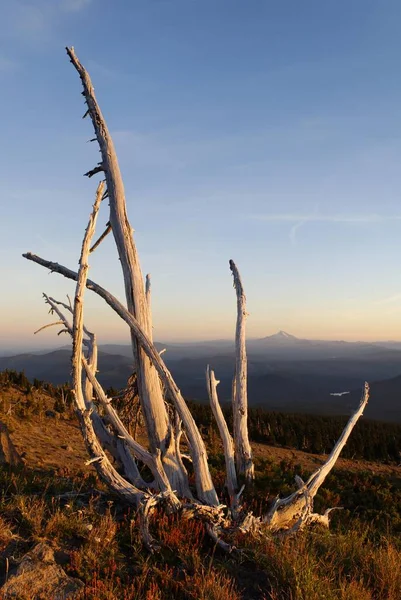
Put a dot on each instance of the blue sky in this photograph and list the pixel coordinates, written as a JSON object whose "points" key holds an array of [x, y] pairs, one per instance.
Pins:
{"points": [[267, 132]]}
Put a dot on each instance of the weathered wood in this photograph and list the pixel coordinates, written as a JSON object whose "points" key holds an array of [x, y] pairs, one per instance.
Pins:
{"points": [[228, 445], [148, 296], [299, 505], [243, 452], [204, 484], [152, 461], [178, 431], [118, 450], [105, 469], [102, 237], [114, 445], [77, 324], [148, 382], [150, 392]]}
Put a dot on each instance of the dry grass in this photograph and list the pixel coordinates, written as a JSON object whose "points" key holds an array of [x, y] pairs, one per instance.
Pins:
{"points": [[6, 534], [99, 541], [45, 442], [101, 544], [316, 565]]}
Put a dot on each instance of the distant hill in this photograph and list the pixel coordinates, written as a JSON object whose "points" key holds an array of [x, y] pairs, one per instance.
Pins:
{"points": [[177, 351], [281, 345], [56, 367], [285, 373]]}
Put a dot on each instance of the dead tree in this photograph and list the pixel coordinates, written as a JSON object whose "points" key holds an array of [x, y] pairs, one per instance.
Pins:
{"points": [[105, 433], [243, 453]]}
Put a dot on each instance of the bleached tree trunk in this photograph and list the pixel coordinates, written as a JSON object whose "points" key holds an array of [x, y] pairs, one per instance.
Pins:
{"points": [[115, 446], [148, 297], [228, 445], [98, 457], [204, 484], [297, 509], [150, 392], [243, 452]]}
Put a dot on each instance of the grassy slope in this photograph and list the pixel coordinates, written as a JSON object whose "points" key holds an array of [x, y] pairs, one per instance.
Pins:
{"points": [[98, 539]]}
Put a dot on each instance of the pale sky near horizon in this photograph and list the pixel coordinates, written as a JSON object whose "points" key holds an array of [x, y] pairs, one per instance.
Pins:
{"points": [[267, 132]]}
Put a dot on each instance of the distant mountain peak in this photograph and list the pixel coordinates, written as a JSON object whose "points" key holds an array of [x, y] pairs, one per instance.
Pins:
{"points": [[280, 338], [282, 335]]}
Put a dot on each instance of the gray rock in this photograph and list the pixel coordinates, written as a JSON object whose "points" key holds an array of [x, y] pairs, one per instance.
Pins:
{"points": [[8, 453], [39, 577]]}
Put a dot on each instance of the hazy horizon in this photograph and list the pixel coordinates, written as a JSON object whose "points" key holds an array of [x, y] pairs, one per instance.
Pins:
{"points": [[47, 345], [266, 133]]}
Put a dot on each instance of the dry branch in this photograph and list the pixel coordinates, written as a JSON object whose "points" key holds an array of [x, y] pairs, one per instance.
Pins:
{"points": [[299, 505], [148, 297], [243, 452], [150, 392], [148, 381], [91, 384], [204, 484], [115, 446], [97, 455], [228, 445], [101, 238], [48, 325]]}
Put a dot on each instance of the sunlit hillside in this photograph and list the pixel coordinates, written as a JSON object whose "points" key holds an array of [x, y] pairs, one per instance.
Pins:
{"points": [[54, 498]]}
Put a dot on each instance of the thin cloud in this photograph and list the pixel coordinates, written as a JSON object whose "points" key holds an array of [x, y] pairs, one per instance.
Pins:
{"points": [[295, 228], [301, 220], [296, 217]]}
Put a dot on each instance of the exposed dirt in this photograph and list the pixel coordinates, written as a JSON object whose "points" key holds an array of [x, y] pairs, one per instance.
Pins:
{"points": [[49, 442], [312, 461]]}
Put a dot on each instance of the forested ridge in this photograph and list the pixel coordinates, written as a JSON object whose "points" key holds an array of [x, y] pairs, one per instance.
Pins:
{"points": [[371, 440]]}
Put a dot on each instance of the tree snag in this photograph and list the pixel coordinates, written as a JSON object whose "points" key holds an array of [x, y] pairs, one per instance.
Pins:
{"points": [[243, 452], [150, 392], [165, 411]]}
